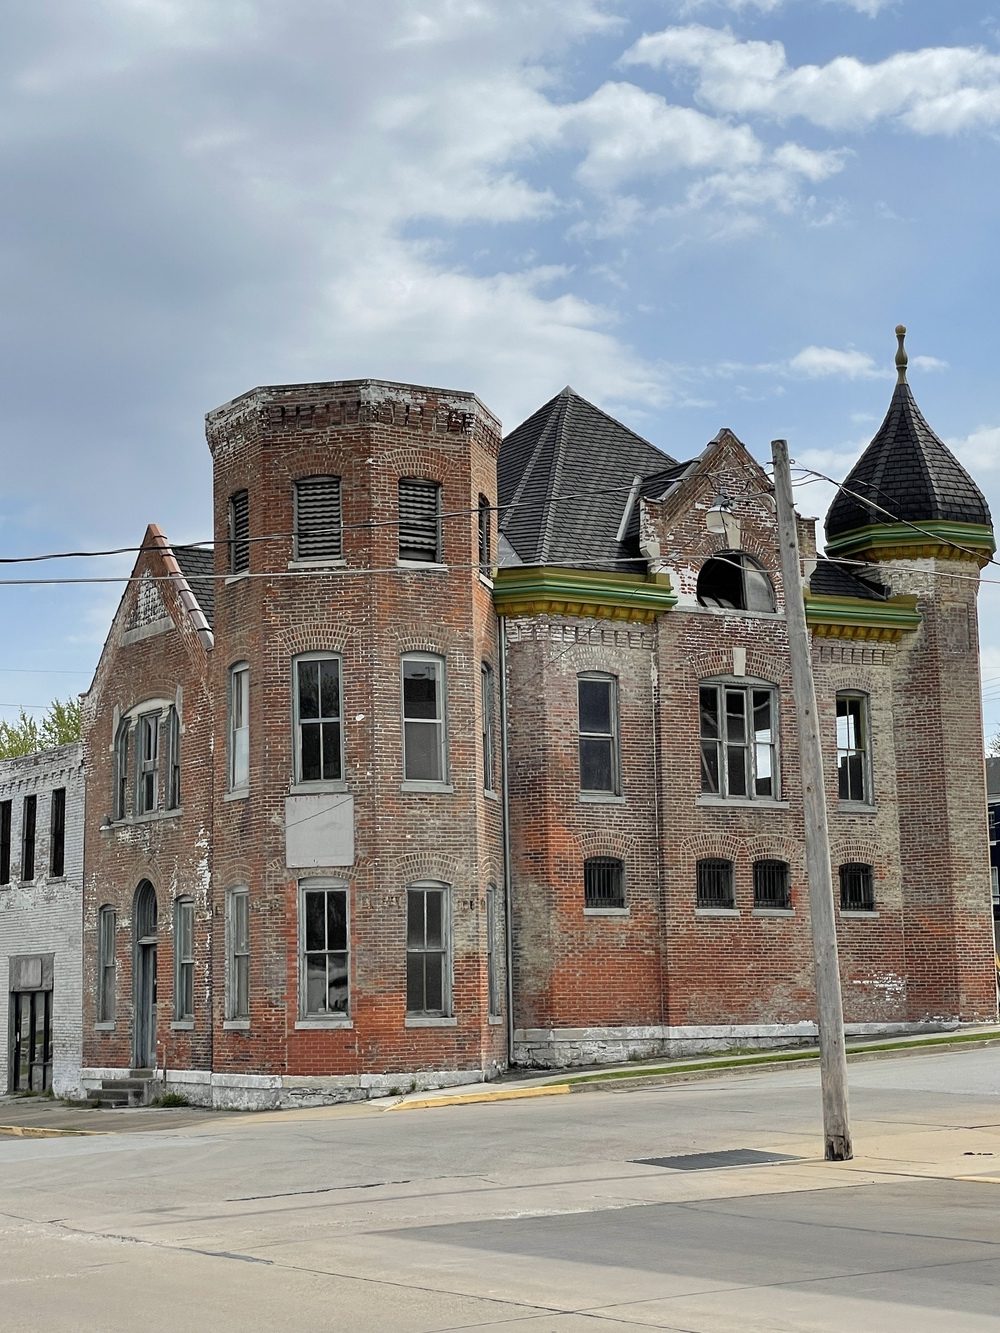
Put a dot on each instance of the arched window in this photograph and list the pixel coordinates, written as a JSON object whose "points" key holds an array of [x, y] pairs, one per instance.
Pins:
{"points": [[735, 581], [715, 883], [771, 885], [603, 882]]}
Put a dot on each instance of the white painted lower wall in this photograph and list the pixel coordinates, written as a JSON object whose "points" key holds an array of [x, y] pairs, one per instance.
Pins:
{"points": [[564, 1048]]}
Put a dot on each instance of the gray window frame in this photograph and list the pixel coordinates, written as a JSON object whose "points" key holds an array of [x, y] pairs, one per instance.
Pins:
{"points": [[332, 541], [863, 751], [147, 766], [238, 672], [487, 681], [324, 885], [748, 687], [495, 1008], [172, 783], [440, 721], [107, 964], [122, 747], [611, 738], [183, 960], [237, 955], [413, 524], [425, 950], [319, 722]]}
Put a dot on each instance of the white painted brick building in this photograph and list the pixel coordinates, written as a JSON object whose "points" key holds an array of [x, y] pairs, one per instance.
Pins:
{"points": [[41, 912]]}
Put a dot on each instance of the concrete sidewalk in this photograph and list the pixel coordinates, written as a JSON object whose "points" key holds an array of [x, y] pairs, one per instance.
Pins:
{"points": [[47, 1117]]}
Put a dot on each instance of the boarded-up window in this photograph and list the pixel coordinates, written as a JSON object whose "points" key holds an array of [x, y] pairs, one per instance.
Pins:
{"points": [[318, 519], [239, 532]]}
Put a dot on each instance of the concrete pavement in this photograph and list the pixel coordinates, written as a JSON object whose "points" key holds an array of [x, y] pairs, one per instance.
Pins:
{"points": [[539, 1214]]}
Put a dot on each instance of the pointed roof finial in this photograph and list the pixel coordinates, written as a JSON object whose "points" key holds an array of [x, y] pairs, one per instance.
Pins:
{"points": [[901, 357]]}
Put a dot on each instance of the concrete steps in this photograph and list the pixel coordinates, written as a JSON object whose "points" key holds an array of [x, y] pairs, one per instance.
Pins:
{"points": [[114, 1093]]}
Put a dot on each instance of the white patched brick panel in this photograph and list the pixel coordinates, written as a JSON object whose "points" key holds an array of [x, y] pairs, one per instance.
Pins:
{"points": [[45, 915]]}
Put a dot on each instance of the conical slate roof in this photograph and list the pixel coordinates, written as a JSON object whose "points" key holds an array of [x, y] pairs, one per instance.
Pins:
{"points": [[906, 474], [567, 448]]}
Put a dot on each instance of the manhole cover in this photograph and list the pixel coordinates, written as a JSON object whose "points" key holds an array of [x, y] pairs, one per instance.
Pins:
{"points": [[707, 1161]]}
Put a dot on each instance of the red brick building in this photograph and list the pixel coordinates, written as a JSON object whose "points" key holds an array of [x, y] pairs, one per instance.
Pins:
{"points": [[424, 799]]}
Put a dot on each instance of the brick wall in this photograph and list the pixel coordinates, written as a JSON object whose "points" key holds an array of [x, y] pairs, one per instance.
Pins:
{"points": [[43, 915]]}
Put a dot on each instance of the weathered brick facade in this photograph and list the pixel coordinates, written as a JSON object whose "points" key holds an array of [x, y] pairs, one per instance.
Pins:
{"points": [[40, 919], [645, 972]]}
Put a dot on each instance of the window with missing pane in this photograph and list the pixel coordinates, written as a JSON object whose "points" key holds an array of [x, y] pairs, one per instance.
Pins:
{"points": [[597, 713], [428, 979], [172, 778], [424, 724], [734, 581], [147, 762], [420, 521], [324, 982], [853, 755], [319, 737], [318, 519], [121, 769], [739, 750]]}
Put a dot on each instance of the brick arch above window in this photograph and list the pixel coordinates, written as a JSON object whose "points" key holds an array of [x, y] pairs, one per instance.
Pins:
{"points": [[321, 637]]}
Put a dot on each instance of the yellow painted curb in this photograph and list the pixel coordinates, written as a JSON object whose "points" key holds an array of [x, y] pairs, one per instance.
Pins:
{"points": [[500, 1095], [34, 1132]]}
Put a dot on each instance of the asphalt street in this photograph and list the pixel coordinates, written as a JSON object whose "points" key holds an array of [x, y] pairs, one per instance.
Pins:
{"points": [[550, 1214]]}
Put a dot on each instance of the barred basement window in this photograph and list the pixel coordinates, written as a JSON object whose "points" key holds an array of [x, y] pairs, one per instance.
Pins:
{"points": [[771, 885], [420, 521], [428, 971], [5, 815], [857, 891], [57, 833], [106, 923], [318, 519], [238, 954], [485, 554], [28, 837], [183, 960], [239, 532], [603, 882], [715, 883]]}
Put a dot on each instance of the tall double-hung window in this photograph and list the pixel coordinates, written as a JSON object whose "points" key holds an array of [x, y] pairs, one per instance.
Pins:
{"points": [[428, 954], [425, 737], [238, 954], [239, 726], [183, 960], [597, 711], [739, 741], [319, 735], [854, 780], [147, 762], [324, 988]]}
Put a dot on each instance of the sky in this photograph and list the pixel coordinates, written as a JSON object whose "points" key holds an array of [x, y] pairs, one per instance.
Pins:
{"points": [[698, 213]]}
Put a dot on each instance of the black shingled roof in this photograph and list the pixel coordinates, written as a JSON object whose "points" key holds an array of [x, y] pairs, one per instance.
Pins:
{"points": [[833, 580], [908, 471], [569, 447], [198, 566]]}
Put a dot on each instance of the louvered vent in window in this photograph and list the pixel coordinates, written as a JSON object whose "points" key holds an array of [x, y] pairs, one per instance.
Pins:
{"points": [[239, 532], [318, 519], [420, 521]]}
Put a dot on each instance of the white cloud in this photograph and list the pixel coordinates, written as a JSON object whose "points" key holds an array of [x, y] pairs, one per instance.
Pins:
{"points": [[979, 451], [829, 362], [869, 7], [937, 90]]}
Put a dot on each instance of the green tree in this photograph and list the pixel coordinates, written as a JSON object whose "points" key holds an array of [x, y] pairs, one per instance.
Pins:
{"points": [[59, 726]]}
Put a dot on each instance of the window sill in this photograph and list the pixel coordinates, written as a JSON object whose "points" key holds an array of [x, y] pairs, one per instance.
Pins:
{"points": [[736, 611], [416, 787], [421, 564], [495, 1020], [741, 802], [107, 1026], [319, 562], [238, 794], [600, 798], [858, 913], [773, 911], [491, 795], [329, 1024], [316, 788], [236, 1025], [606, 911], [241, 577], [149, 818], [182, 1025], [716, 911], [855, 808], [486, 580], [429, 1021]]}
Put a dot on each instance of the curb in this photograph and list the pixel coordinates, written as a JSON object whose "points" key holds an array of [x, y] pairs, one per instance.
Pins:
{"points": [[636, 1082], [36, 1132]]}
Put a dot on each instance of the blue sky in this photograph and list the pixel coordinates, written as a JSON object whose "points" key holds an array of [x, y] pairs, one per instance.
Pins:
{"points": [[697, 212]]}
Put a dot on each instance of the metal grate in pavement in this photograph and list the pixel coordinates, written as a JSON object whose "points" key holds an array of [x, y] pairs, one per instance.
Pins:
{"points": [[709, 1161]]}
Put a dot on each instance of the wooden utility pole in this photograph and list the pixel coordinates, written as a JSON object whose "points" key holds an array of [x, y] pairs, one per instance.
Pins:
{"points": [[829, 1004]]}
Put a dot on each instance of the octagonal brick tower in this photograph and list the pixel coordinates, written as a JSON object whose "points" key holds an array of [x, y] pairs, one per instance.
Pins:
{"points": [[911, 512]]}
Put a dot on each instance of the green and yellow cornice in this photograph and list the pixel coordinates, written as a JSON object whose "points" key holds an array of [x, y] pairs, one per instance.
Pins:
{"points": [[530, 590], [859, 618], [901, 541]]}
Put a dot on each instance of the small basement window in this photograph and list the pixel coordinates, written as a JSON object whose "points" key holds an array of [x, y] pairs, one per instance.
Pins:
{"points": [[736, 582]]}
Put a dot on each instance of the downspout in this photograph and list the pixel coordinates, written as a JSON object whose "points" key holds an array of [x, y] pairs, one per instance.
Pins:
{"points": [[505, 817]]}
